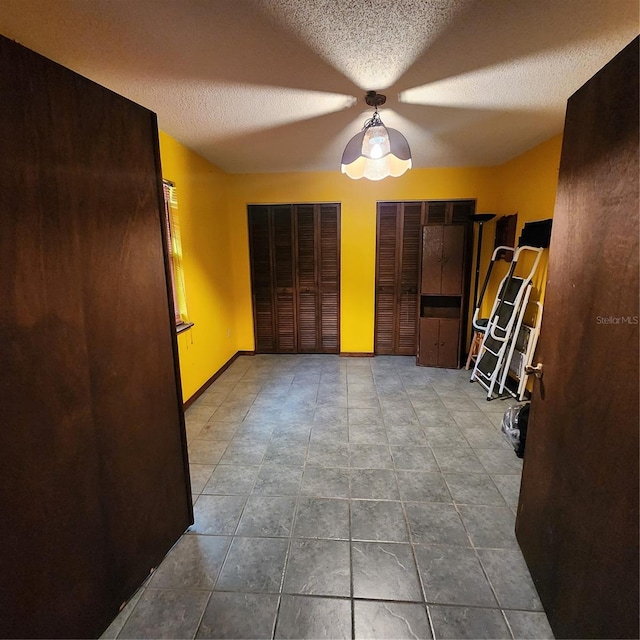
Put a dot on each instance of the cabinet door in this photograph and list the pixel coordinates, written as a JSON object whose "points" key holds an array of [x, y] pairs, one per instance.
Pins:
{"points": [[432, 245], [429, 342], [448, 343], [452, 260]]}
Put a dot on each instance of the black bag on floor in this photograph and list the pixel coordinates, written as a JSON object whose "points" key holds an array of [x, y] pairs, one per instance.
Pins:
{"points": [[514, 426]]}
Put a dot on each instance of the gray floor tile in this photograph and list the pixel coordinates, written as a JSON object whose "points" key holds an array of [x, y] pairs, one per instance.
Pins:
{"points": [[490, 527], [384, 571], [459, 403], [374, 484], [422, 487], [460, 460], [220, 431], [486, 438], [445, 437], [381, 521], [396, 415], [322, 518], [464, 622], [253, 564], [287, 453], [510, 578], [472, 420], [217, 515], [370, 456], [499, 461], [166, 613], [199, 413], [330, 415], [367, 434], [325, 483], [412, 457], [239, 616], [474, 489], [329, 434], [200, 474], [230, 412], [529, 625], [297, 430], [406, 435], [212, 398], [278, 481], [318, 567], [433, 523], [259, 431], [267, 516], [229, 480], [305, 617], [325, 454], [453, 575], [193, 563], [244, 453], [509, 487], [431, 417], [206, 451], [390, 620], [365, 416]]}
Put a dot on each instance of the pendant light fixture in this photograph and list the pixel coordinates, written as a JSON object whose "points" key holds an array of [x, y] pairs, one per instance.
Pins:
{"points": [[377, 151]]}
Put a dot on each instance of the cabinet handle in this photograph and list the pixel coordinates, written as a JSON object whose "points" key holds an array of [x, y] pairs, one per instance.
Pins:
{"points": [[439, 259], [444, 259], [442, 344]]}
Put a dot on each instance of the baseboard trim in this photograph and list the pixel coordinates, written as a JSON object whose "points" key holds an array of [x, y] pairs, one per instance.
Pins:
{"points": [[357, 354], [214, 377]]}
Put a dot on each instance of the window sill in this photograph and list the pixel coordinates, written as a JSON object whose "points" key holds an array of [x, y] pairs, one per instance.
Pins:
{"points": [[183, 326]]}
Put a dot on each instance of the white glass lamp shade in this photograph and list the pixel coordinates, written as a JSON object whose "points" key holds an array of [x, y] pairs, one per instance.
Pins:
{"points": [[376, 153]]}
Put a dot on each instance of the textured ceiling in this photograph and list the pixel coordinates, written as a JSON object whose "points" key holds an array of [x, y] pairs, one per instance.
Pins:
{"points": [[278, 85]]}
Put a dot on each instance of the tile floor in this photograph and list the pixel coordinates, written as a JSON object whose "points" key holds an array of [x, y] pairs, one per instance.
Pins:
{"points": [[344, 498]]}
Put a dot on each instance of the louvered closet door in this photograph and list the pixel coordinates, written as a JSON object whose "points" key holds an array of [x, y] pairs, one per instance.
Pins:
{"points": [[295, 276], [329, 277], [409, 279], [397, 277], [260, 245], [386, 278], [307, 280], [284, 279]]}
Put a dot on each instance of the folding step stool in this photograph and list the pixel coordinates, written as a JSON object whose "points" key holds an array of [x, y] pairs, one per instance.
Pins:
{"points": [[503, 327]]}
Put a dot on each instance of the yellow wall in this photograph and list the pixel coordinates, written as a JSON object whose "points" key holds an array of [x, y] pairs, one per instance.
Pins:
{"points": [[358, 230], [207, 261], [526, 185]]}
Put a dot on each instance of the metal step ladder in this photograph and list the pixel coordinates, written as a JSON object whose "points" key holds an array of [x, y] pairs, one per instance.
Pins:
{"points": [[504, 324]]}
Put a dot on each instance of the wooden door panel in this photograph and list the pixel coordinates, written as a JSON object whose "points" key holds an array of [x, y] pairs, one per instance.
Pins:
{"points": [[260, 246], [429, 341], [308, 312], [329, 277], [577, 519], [387, 259], [453, 246], [92, 429], [448, 343], [284, 279], [432, 245]]}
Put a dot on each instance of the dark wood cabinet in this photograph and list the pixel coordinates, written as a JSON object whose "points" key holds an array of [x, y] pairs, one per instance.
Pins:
{"points": [[444, 283], [295, 277]]}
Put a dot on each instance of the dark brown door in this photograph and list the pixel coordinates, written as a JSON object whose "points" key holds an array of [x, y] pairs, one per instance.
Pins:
{"points": [[295, 277], [94, 488], [577, 519], [397, 277], [429, 340]]}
